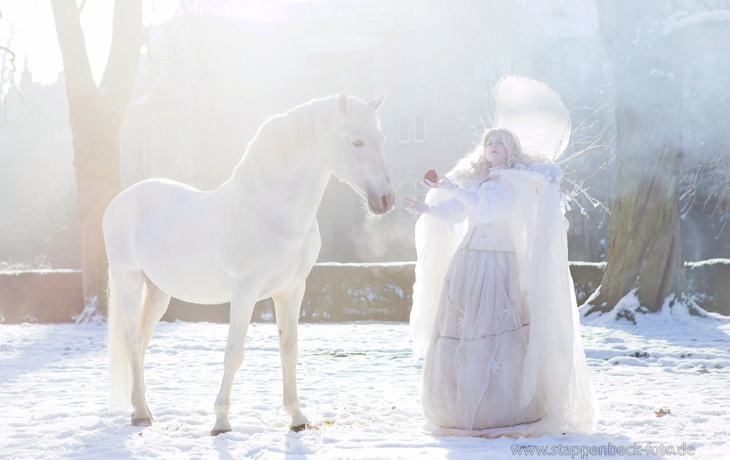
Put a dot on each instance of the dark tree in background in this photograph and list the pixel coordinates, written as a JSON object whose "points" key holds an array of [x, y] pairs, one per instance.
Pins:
{"points": [[649, 49], [96, 115]]}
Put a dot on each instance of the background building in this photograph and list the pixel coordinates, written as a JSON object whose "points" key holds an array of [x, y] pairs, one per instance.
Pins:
{"points": [[212, 74], [198, 103]]}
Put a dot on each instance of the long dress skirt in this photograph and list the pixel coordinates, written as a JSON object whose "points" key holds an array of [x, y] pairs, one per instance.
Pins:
{"points": [[472, 372]]}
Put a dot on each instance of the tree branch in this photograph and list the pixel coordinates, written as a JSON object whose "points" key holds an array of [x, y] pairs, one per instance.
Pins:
{"points": [[692, 33], [121, 68], [79, 81], [12, 55]]}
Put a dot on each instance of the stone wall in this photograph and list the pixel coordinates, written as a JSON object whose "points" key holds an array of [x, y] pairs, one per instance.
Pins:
{"points": [[335, 292], [709, 282], [40, 296]]}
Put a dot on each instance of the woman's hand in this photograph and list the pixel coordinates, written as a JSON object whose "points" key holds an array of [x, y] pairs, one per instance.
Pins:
{"points": [[444, 183], [416, 207]]}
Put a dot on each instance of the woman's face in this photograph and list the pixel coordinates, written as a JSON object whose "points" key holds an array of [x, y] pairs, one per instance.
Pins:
{"points": [[496, 151]]}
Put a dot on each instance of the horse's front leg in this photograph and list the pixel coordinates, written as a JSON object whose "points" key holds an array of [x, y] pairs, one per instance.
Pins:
{"points": [[287, 317], [242, 303]]}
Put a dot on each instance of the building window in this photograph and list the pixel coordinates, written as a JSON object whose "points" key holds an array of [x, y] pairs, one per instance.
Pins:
{"points": [[419, 133], [404, 130], [411, 129]]}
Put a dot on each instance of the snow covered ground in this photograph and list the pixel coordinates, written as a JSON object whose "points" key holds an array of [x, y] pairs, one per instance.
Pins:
{"points": [[53, 394]]}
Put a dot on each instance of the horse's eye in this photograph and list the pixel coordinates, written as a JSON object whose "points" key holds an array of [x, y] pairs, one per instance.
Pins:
{"points": [[358, 143]]}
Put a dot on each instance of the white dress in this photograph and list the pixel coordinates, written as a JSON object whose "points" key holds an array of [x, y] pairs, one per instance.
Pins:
{"points": [[472, 371], [500, 329]]}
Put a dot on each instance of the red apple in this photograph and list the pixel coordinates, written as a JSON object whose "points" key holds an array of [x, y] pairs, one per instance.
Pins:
{"points": [[431, 176]]}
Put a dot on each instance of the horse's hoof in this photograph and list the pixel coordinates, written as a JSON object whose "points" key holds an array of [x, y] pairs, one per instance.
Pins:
{"points": [[141, 421], [302, 427], [216, 432]]}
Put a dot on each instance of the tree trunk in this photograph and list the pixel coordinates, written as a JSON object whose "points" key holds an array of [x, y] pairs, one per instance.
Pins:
{"points": [[644, 238], [96, 116], [96, 158], [644, 241]]}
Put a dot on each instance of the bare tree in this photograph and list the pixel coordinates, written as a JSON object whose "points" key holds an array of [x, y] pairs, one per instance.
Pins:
{"points": [[96, 115], [7, 70], [649, 49]]}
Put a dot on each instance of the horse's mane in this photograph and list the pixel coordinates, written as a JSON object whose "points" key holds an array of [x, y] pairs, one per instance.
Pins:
{"points": [[294, 132]]}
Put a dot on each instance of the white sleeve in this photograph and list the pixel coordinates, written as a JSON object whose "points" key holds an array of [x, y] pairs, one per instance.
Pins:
{"points": [[494, 205], [452, 210], [469, 199]]}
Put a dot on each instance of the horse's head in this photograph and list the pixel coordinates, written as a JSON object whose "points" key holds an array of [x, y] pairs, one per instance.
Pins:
{"points": [[355, 153]]}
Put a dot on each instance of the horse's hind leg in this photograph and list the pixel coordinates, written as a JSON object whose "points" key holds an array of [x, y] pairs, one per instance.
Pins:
{"points": [[287, 318], [154, 305], [131, 287], [242, 305]]}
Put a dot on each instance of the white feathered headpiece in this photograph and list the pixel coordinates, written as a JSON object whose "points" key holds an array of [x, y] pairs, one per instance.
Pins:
{"points": [[535, 113]]}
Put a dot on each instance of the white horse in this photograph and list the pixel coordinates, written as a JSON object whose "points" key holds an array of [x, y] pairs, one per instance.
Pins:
{"points": [[254, 237]]}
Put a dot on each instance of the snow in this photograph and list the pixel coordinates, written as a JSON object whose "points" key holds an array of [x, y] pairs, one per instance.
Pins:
{"points": [[710, 262], [366, 264], [37, 271], [577, 263], [357, 382]]}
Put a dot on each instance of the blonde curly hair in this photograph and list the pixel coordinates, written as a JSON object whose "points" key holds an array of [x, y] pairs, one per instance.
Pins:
{"points": [[474, 167]]}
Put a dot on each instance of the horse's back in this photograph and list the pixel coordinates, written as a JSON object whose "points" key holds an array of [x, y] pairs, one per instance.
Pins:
{"points": [[150, 192], [125, 213]]}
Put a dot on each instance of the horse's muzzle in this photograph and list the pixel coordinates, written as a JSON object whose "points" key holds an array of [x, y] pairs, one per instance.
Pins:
{"points": [[381, 204]]}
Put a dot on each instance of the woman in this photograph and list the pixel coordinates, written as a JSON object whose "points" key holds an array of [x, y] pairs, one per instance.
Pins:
{"points": [[489, 369]]}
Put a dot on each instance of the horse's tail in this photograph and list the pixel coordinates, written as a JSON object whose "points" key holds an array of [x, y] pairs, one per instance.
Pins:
{"points": [[120, 370]]}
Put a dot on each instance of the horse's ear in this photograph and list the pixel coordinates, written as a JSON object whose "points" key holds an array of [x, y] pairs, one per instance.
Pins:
{"points": [[376, 103], [343, 105]]}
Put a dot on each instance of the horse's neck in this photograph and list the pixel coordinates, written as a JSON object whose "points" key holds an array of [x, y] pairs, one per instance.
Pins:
{"points": [[284, 171], [296, 190], [285, 183]]}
